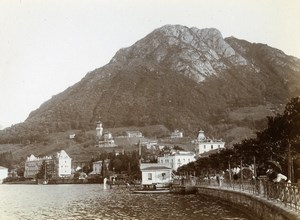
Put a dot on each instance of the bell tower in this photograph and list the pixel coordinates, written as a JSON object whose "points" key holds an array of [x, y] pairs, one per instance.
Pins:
{"points": [[99, 130]]}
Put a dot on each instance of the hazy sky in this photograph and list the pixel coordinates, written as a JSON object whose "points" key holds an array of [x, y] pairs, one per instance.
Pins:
{"points": [[47, 46]]}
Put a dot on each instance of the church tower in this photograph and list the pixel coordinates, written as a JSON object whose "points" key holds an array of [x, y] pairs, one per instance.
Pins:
{"points": [[201, 136], [99, 130]]}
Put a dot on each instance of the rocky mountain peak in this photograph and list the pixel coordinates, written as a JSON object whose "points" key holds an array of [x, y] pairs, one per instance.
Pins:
{"points": [[196, 53]]}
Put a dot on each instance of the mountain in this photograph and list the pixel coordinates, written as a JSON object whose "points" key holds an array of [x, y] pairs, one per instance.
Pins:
{"points": [[179, 77]]}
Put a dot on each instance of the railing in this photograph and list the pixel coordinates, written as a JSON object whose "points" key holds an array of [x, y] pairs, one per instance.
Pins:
{"points": [[287, 194]]}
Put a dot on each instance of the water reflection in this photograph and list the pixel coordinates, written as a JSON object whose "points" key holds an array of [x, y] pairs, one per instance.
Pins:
{"points": [[93, 202]]}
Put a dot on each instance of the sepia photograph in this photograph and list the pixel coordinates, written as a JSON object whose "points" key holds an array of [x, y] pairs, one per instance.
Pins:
{"points": [[149, 109]]}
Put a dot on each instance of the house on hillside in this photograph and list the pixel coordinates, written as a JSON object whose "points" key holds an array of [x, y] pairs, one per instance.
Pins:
{"points": [[131, 134], [177, 134], [154, 174], [3, 173], [151, 144], [177, 159], [204, 144], [104, 139]]}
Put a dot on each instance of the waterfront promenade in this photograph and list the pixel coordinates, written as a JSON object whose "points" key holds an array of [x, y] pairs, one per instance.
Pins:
{"points": [[284, 196]]}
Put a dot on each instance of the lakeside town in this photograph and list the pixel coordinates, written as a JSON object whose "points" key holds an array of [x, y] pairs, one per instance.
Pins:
{"points": [[60, 168], [152, 164]]}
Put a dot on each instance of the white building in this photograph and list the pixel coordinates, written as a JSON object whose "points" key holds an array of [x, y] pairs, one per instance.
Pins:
{"points": [[131, 134], [204, 144], [177, 159], [177, 134], [156, 174], [151, 144], [64, 164], [104, 139], [3, 173], [97, 166]]}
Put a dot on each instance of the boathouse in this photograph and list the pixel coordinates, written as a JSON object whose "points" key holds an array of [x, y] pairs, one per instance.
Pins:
{"points": [[154, 174]]}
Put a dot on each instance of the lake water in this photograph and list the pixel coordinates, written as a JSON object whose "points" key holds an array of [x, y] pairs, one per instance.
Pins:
{"points": [[93, 202]]}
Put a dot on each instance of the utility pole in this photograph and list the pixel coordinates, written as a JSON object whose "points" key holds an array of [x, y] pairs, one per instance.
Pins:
{"points": [[241, 169], [241, 174], [254, 167], [140, 152], [289, 161], [229, 169]]}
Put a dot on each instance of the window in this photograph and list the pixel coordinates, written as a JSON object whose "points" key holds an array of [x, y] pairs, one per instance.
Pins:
{"points": [[149, 176], [204, 146], [163, 176], [219, 146], [212, 146]]}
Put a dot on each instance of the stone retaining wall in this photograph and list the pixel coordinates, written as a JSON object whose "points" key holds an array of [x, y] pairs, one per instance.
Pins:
{"points": [[256, 207]]}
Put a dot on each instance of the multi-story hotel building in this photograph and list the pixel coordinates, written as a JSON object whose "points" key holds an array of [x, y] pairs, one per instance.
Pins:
{"points": [[58, 165]]}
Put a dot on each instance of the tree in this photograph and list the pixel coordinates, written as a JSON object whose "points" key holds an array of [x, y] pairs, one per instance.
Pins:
{"points": [[117, 165], [176, 147], [87, 169], [6, 160], [42, 171]]}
